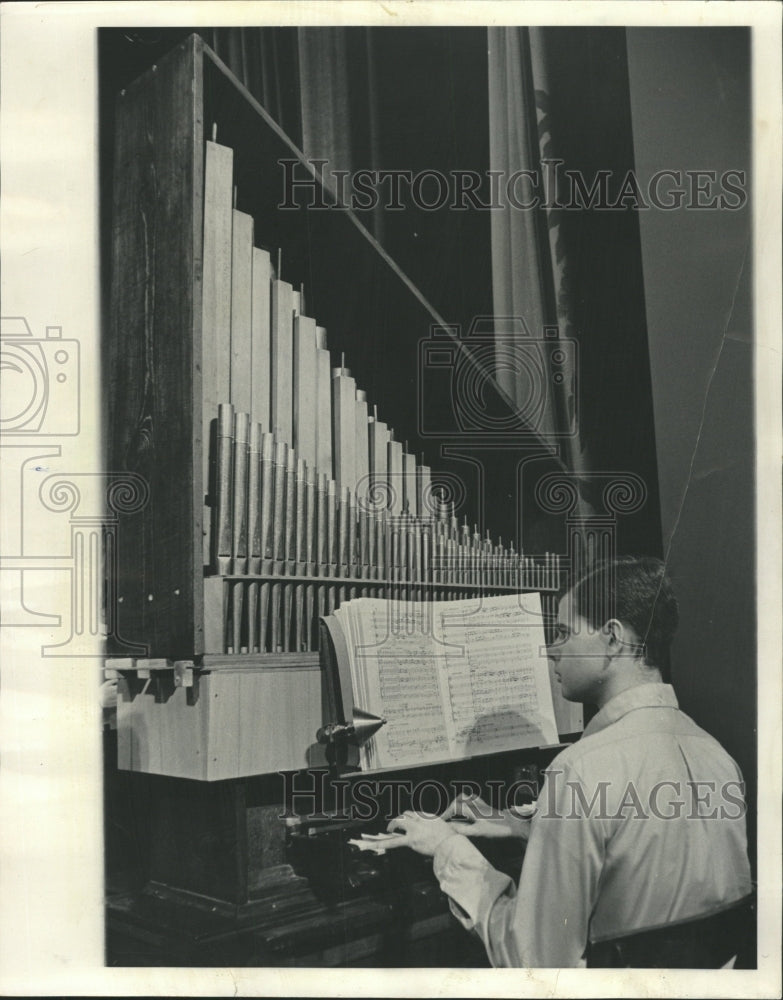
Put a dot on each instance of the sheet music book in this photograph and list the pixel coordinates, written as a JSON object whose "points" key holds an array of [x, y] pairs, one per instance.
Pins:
{"points": [[453, 679]]}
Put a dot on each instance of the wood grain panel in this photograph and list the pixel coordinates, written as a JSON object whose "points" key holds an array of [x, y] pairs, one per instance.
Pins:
{"points": [[222, 728], [182, 736], [154, 351], [291, 696], [220, 698]]}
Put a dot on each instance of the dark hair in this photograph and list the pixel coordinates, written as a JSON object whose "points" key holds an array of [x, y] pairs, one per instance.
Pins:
{"points": [[637, 592]]}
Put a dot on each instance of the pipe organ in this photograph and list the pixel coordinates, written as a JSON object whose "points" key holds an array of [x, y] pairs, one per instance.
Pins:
{"points": [[312, 498], [279, 486], [258, 365]]}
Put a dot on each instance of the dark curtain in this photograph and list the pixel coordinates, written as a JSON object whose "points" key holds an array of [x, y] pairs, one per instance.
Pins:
{"points": [[319, 86], [382, 100], [266, 61], [559, 103], [528, 262]]}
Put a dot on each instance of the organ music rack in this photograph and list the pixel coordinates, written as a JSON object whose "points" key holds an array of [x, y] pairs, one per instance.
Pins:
{"points": [[275, 490]]}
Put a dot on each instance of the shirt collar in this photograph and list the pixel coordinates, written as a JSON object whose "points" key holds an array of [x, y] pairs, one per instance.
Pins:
{"points": [[651, 695]]}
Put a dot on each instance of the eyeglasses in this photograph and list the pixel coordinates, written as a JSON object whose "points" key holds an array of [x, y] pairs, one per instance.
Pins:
{"points": [[562, 633]]}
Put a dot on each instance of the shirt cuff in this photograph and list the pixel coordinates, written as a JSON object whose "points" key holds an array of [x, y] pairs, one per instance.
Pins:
{"points": [[468, 878], [452, 850]]}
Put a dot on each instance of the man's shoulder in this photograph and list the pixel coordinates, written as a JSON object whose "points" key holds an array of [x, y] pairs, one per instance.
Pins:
{"points": [[646, 733]]}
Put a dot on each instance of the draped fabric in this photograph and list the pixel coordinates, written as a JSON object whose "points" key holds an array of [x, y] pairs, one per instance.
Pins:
{"points": [[518, 289], [557, 258], [529, 265], [318, 85], [265, 60], [323, 88]]}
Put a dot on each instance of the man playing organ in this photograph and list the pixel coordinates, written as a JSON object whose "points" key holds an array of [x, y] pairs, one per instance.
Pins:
{"points": [[636, 854]]}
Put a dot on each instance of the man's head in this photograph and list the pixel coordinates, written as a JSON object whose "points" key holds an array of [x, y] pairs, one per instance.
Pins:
{"points": [[615, 626]]}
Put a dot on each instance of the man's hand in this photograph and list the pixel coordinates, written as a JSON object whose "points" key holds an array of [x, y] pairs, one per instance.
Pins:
{"points": [[471, 816], [470, 808], [421, 831]]}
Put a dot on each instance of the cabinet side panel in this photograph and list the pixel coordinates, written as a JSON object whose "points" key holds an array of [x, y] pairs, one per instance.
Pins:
{"points": [[291, 696], [153, 353]]}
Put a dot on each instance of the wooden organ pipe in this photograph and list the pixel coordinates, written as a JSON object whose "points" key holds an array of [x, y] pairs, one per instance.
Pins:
{"points": [[312, 500]]}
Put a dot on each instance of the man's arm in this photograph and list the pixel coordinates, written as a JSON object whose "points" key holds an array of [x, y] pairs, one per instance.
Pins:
{"points": [[473, 817], [545, 922], [561, 872], [482, 898]]}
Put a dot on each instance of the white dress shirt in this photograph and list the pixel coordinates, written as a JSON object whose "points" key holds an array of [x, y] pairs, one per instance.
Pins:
{"points": [[639, 824]]}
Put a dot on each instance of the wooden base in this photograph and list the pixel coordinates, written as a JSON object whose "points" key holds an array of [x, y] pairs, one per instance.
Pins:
{"points": [[222, 878], [219, 891], [286, 926]]}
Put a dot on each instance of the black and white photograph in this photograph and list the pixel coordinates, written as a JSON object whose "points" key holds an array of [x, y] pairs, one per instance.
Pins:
{"points": [[391, 539]]}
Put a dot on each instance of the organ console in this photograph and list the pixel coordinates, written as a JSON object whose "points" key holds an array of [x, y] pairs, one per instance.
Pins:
{"points": [[281, 483]]}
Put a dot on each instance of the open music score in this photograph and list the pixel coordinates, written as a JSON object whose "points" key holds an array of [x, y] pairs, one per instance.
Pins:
{"points": [[453, 679], [312, 500]]}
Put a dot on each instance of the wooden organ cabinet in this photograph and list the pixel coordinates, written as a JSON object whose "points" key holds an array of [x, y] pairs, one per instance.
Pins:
{"points": [[259, 367]]}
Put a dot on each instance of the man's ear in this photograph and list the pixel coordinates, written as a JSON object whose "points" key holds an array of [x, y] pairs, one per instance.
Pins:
{"points": [[614, 636]]}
